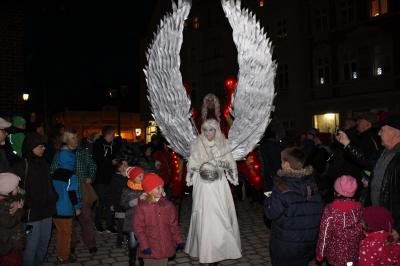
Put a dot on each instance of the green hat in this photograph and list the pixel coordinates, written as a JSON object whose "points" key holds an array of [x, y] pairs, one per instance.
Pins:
{"points": [[18, 121]]}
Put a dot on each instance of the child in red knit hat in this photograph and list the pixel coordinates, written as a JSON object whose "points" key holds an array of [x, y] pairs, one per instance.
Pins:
{"points": [[129, 200], [156, 224], [378, 247], [341, 228]]}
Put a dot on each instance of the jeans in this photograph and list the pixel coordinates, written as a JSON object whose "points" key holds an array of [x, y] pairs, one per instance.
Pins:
{"points": [[132, 242], [103, 208], [37, 242]]}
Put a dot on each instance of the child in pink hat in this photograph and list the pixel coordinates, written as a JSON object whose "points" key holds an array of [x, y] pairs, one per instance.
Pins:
{"points": [[156, 224], [341, 227]]}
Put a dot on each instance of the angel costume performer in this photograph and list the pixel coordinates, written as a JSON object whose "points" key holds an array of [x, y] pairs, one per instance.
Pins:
{"points": [[214, 233]]}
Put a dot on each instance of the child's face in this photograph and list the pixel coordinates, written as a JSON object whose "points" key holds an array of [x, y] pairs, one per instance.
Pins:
{"points": [[16, 191], [285, 165], [157, 192], [138, 179]]}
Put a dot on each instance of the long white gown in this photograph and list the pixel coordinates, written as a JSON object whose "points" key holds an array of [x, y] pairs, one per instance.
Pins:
{"points": [[214, 232]]}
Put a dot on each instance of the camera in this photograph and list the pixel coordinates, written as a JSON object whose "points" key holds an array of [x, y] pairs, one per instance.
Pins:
{"points": [[337, 129], [28, 229]]}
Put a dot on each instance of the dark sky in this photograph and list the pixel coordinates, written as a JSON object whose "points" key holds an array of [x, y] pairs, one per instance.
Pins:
{"points": [[77, 51]]}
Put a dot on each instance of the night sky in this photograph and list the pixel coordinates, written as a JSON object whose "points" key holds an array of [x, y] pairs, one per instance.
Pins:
{"points": [[75, 52]]}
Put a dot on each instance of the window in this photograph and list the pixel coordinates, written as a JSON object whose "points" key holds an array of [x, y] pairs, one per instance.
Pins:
{"points": [[378, 7], [350, 66], [281, 30], [196, 23], [381, 61], [261, 3], [326, 123], [282, 77], [322, 71], [346, 12], [320, 20]]}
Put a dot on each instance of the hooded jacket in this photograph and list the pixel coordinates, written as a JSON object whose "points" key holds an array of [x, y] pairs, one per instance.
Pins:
{"points": [[40, 196], [340, 232]]}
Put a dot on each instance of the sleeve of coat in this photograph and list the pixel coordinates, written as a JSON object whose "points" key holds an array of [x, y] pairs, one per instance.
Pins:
{"points": [[54, 163], [140, 228], [174, 225], [324, 235], [91, 165], [274, 205]]}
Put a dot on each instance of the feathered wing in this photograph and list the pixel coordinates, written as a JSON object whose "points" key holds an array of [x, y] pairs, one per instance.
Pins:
{"points": [[169, 102], [253, 99]]}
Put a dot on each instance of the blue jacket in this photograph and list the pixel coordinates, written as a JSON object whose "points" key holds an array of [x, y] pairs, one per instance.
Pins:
{"points": [[66, 183], [294, 207]]}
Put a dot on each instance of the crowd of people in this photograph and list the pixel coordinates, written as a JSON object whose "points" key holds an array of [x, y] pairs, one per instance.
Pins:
{"points": [[338, 202]]}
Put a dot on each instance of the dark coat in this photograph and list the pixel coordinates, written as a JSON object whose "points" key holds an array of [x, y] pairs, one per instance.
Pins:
{"points": [[127, 196], [12, 237], [295, 208], [156, 227], [40, 198], [103, 154], [117, 184], [390, 188]]}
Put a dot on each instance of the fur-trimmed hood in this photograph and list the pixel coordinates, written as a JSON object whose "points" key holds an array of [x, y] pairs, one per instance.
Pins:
{"points": [[296, 173]]}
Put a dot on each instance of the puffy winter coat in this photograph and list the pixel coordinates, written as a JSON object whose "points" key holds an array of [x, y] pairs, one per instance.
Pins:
{"points": [[376, 250], [340, 232], [156, 227]]}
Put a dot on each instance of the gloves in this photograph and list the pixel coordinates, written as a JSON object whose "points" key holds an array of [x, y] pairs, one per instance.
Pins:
{"points": [[147, 251], [180, 246]]}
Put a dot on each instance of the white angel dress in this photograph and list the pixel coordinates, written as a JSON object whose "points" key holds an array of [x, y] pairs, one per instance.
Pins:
{"points": [[214, 231]]}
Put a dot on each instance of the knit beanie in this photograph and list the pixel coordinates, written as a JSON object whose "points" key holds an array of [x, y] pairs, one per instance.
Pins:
{"points": [[151, 181], [346, 186], [8, 182], [378, 218], [132, 173], [18, 121]]}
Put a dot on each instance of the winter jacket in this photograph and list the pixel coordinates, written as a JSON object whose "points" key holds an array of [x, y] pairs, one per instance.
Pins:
{"points": [[12, 237], [129, 201], [40, 197], [390, 188], [295, 208], [376, 250], [16, 140], [103, 154], [66, 183], [4, 163], [156, 227], [340, 232]]}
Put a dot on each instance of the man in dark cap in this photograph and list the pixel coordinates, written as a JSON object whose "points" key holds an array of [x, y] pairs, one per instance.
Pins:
{"points": [[385, 182]]}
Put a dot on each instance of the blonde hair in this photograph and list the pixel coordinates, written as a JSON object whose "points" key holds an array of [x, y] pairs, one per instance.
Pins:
{"points": [[204, 109], [67, 135]]}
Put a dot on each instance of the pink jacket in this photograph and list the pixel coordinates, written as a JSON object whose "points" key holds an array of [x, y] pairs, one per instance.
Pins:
{"points": [[156, 227], [340, 233], [375, 250]]}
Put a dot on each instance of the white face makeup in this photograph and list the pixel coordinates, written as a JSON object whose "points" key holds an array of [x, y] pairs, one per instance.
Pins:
{"points": [[210, 133]]}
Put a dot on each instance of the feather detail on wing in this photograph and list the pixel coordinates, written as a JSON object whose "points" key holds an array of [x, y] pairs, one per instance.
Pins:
{"points": [[169, 102], [253, 99]]}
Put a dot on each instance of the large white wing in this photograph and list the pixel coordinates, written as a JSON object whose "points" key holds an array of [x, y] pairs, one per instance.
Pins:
{"points": [[169, 102], [253, 99]]}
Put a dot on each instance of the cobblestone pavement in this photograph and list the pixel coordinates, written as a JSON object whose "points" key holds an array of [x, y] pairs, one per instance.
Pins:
{"points": [[254, 236]]}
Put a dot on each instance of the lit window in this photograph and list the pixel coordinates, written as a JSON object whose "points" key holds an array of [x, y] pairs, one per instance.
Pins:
{"points": [[354, 75], [321, 80], [326, 123], [260, 3], [379, 71], [378, 7], [196, 23], [322, 71], [349, 65]]}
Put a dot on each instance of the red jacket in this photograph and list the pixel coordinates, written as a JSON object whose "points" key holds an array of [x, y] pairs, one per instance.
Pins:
{"points": [[375, 250], [340, 233], [156, 227]]}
